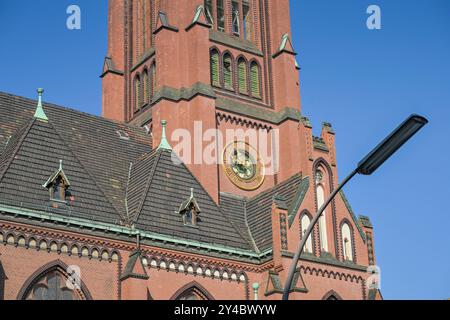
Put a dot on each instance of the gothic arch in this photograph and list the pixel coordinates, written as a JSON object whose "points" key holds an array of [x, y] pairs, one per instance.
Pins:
{"points": [[332, 295], [306, 213], [353, 238], [195, 288], [321, 162], [54, 266]]}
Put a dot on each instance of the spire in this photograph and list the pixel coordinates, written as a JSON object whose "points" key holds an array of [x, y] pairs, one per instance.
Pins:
{"points": [[164, 145], [40, 114]]}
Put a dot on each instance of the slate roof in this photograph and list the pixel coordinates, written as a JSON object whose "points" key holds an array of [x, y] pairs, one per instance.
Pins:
{"points": [[256, 221], [121, 181]]}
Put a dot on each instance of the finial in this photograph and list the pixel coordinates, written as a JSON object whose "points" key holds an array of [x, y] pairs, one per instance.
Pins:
{"points": [[40, 114], [60, 164], [192, 193], [164, 145], [255, 290]]}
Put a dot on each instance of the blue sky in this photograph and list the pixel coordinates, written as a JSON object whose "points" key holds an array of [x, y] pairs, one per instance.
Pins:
{"points": [[363, 82]]}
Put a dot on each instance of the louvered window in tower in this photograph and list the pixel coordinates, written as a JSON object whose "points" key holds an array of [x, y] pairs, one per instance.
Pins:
{"points": [[255, 80], [227, 72], [215, 76], [242, 76], [220, 16], [235, 17]]}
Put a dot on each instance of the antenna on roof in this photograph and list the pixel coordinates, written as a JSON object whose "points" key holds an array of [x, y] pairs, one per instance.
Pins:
{"points": [[164, 145], [40, 114]]}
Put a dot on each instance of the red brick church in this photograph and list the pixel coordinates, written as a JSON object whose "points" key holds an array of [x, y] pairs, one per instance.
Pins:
{"points": [[112, 208]]}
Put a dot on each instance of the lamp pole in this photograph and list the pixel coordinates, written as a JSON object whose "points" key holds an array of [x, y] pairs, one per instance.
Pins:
{"points": [[366, 167]]}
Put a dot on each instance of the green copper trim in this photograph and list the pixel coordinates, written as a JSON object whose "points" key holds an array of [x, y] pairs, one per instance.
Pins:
{"points": [[352, 213], [40, 114], [59, 172], [262, 114], [235, 42], [299, 197], [130, 232], [285, 40], [164, 145], [186, 94]]}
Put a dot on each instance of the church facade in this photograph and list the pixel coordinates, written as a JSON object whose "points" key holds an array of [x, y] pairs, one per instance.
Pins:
{"points": [[197, 182]]}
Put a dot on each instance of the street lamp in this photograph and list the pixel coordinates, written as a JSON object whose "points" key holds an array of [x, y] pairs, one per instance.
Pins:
{"points": [[367, 166]]}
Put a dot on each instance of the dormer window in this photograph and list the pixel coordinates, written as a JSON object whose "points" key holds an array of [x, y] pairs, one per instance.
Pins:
{"points": [[190, 210], [58, 185], [57, 190]]}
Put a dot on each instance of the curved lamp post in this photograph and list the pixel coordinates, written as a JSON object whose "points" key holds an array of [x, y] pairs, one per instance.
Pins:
{"points": [[367, 166]]}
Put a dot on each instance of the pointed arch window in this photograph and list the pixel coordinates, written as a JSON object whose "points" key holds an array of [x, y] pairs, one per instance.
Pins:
{"points": [[51, 287], [214, 64], [347, 245], [146, 87], [153, 81], [246, 17], [209, 11], [137, 93], [242, 76], [320, 194], [228, 72], [255, 80], [235, 14], [220, 16], [192, 291], [305, 222]]}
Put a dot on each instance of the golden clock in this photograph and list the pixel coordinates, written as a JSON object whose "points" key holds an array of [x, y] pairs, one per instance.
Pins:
{"points": [[243, 166]]}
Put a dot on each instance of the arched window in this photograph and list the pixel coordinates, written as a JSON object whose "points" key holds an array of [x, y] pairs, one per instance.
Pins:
{"points": [[137, 93], [153, 80], [51, 287], [220, 16], [347, 245], [320, 192], [209, 11], [235, 16], [214, 65], [305, 222], [255, 80], [54, 281], [242, 76], [146, 87], [192, 291], [247, 22], [228, 72]]}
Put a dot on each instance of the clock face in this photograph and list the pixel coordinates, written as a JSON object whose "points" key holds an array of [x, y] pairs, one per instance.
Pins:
{"points": [[243, 166]]}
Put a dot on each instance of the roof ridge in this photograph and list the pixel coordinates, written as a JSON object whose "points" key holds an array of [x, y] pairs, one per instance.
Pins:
{"points": [[253, 242], [84, 168], [72, 109], [157, 153], [16, 148]]}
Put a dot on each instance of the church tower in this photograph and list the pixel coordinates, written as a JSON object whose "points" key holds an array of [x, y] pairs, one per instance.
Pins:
{"points": [[205, 65]]}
